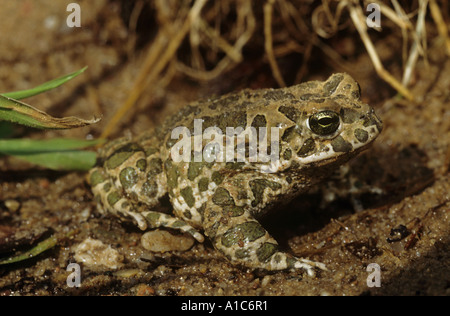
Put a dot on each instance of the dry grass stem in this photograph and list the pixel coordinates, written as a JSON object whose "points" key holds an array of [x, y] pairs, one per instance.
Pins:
{"points": [[162, 52], [440, 23], [358, 19], [246, 25], [268, 43], [398, 15], [320, 25], [419, 41], [212, 35]]}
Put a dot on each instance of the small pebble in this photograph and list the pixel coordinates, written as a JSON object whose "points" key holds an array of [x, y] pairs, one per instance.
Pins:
{"points": [[12, 205], [162, 241], [93, 252]]}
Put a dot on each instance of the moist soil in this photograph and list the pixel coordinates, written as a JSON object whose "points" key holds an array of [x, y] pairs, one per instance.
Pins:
{"points": [[399, 218]]}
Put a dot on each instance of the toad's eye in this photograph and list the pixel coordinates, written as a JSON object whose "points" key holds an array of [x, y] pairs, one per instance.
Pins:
{"points": [[324, 123]]}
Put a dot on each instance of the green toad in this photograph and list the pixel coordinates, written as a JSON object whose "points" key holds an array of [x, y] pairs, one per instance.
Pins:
{"points": [[307, 131]]}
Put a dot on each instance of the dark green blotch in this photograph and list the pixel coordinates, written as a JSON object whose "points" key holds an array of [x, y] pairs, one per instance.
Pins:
{"points": [[201, 210], [121, 155], [290, 112], [287, 155], [172, 174], [243, 233], [113, 198], [310, 96], [153, 218], [241, 253], [222, 197], [128, 177], [308, 147], [331, 85], [96, 178], [277, 95], [290, 262], [141, 164], [150, 151], [259, 121], [149, 188], [234, 211], [228, 119], [203, 184], [361, 135], [234, 165], [291, 132], [260, 125], [258, 186], [339, 144], [242, 195], [266, 251], [188, 196], [155, 166], [239, 119], [107, 187], [217, 177], [349, 115], [194, 170], [371, 120]]}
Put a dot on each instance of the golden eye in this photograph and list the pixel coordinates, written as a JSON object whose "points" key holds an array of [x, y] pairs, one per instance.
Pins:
{"points": [[324, 123]]}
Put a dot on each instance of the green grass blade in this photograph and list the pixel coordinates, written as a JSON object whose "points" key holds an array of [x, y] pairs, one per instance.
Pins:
{"points": [[27, 146], [55, 154], [18, 112], [33, 252], [80, 160], [17, 95]]}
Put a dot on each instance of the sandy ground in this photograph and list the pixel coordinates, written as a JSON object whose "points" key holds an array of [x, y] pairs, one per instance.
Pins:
{"points": [[407, 170]]}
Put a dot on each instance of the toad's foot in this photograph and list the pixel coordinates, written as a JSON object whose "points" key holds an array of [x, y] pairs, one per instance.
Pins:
{"points": [[157, 219]]}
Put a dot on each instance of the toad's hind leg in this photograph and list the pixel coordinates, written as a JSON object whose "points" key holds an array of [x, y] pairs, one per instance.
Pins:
{"points": [[129, 182], [111, 201], [239, 236]]}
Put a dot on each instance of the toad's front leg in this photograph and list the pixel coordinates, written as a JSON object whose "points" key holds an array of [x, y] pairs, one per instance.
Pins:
{"points": [[239, 236]]}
